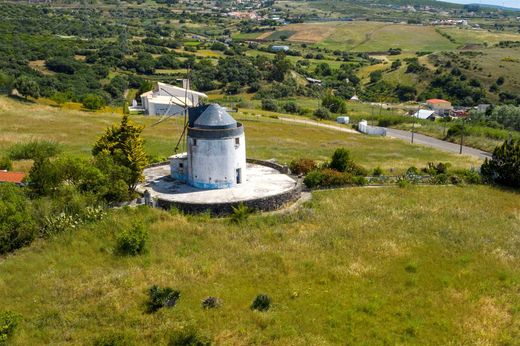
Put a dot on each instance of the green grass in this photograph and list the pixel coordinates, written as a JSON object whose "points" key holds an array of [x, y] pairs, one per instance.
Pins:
{"points": [[418, 266], [266, 137]]}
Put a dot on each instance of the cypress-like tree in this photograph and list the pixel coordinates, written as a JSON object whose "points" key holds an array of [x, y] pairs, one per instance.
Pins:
{"points": [[504, 166], [125, 146]]}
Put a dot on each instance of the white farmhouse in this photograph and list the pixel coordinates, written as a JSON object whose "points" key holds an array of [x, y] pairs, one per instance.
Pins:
{"points": [[168, 99]]}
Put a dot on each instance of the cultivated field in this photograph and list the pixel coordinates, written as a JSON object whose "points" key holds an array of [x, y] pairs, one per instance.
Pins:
{"points": [[422, 266], [266, 137], [369, 36]]}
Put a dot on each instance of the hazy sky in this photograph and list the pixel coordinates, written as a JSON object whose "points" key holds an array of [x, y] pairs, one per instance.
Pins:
{"points": [[506, 3]]}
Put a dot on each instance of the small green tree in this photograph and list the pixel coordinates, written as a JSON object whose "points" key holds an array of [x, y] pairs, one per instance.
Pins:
{"points": [[504, 166], [322, 113], [125, 146], [27, 87]]}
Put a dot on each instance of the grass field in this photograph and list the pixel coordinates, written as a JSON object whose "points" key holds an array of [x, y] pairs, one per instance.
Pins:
{"points": [[369, 36], [471, 36], [415, 266], [266, 137]]}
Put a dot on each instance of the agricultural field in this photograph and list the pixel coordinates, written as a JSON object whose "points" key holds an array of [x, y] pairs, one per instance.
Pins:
{"points": [[468, 37], [369, 36], [424, 265]]}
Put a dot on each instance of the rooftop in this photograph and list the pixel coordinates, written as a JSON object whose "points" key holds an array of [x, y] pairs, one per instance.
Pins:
{"points": [[437, 101], [11, 177], [211, 116]]}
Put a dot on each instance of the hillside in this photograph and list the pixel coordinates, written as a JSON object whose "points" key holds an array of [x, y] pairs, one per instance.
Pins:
{"points": [[353, 266]]}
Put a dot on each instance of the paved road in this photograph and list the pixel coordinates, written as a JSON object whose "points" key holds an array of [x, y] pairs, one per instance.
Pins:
{"points": [[404, 135], [436, 143]]}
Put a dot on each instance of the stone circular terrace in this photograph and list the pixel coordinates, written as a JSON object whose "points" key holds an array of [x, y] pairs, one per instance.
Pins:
{"points": [[266, 188]]}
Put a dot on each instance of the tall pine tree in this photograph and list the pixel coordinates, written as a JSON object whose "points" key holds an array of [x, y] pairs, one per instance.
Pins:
{"points": [[125, 146]]}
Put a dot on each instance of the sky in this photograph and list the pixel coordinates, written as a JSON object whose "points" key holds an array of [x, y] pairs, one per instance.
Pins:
{"points": [[506, 3]]}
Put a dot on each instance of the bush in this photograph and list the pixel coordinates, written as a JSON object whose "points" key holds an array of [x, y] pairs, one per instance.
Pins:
{"points": [[6, 163], [60, 223], [331, 178], [504, 166], [93, 102], [133, 241], [322, 113], [269, 105], [291, 107], [302, 166], [188, 337], [8, 323], [17, 226], [240, 213], [335, 104], [33, 150], [378, 171], [262, 302], [340, 160], [161, 297], [211, 303], [471, 176]]}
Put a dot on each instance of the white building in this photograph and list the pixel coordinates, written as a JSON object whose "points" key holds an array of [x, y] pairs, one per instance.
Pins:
{"points": [[169, 99], [424, 114], [216, 156]]}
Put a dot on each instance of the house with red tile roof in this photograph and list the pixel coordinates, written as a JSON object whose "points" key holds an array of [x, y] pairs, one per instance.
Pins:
{"points": [[12, 177]]}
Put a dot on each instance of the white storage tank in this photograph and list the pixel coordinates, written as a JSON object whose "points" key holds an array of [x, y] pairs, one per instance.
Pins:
{"points": [[216, 156]]}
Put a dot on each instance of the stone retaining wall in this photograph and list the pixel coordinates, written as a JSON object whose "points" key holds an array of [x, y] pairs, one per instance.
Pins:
{"points": [[268, 203]]}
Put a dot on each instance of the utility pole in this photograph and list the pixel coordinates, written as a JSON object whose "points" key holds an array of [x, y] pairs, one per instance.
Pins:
{"points": [[462, 135], [413, 122]]}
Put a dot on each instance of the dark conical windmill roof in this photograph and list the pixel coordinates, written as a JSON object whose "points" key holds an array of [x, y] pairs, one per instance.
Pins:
{"points": [[214, 117]]}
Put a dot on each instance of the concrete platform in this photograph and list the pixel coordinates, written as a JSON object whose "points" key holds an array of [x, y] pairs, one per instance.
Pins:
{"points": [[261, 183]]}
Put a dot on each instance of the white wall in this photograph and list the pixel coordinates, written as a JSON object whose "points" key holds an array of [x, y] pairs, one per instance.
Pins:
{"points": [[213, 163]]}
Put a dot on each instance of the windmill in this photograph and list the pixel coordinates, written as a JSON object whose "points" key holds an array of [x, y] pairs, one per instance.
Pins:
{"points": [[185, 105]]}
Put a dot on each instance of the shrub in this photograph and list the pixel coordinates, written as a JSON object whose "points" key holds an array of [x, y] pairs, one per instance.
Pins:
{"points": [[322, 113], [6, 163], [33, 150], [8, 323], [17, 226], [471, 176], [434, 169], [378, 171], [161, 297], [132, 242], [240, 213], [291, 107], [302, 166], [211, 303], [439, 179], [335, 104], [262, 302], [504, 166], [188, 337], [340, 160], [93, 102], [269, 105], [313, 179]]}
